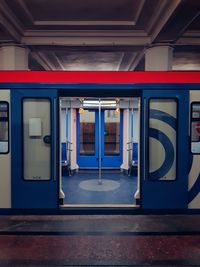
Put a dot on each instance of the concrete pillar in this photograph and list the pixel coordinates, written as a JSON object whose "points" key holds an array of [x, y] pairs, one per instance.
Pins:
{"points": [[13, 57], [158, 58]]}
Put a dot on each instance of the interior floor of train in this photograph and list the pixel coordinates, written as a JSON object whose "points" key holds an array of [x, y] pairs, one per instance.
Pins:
{"points": [[85, 187]]}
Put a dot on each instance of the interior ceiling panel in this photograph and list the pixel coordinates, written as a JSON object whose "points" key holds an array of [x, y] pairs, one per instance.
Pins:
{"points": [[187, 14], [147, 12], [4, 36], [195, 25], [62, 10]]}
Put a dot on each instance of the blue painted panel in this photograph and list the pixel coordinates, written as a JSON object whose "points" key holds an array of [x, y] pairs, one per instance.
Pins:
{"points": [[165, 194], [25, 193], [64, 88]]}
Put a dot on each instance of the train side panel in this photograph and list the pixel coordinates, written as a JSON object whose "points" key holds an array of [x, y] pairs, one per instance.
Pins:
{"points": [[5, 150]]}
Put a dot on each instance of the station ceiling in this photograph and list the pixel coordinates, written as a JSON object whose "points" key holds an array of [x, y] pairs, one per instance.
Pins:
{"points": [[101, 34]]}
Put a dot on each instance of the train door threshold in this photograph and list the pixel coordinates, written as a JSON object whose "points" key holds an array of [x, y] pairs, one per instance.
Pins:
{"points": [[99, 206]]}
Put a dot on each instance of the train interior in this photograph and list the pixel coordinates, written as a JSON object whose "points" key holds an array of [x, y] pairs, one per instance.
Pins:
{"points": [[99, 147]]}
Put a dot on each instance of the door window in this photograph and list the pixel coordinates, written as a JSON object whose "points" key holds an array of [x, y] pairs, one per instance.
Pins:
{"points": [[162, 139], [111, 132], [36, 139], [87, 133], [195, 128], [4, 129]]}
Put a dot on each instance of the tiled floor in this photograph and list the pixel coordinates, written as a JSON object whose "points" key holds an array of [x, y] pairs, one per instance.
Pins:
{"points": [[124, 194], [100, 240]]}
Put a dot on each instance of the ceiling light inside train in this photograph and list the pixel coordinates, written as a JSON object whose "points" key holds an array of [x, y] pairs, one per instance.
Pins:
{"points": [[102, 103], [117, 110], [81, 110]]}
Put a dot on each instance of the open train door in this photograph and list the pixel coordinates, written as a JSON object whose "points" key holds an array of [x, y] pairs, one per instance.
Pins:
{"points": [[34, 149], [164, 152]]}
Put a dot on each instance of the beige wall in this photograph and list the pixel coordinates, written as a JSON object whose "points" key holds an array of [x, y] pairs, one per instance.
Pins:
{"points": [[195, 169], [5, 165]]}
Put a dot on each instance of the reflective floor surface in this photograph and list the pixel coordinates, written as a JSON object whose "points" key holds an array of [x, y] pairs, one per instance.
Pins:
{"points": [[100, 240]]}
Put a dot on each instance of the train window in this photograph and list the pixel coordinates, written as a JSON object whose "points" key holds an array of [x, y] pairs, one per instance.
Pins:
{"points": [[162, 139], [195, 128], [111, 132], [36, 139], [4, 127], [87, 133]]}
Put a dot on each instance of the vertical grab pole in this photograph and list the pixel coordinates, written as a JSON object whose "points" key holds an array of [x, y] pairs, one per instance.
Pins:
{"points": [[100, 178]]}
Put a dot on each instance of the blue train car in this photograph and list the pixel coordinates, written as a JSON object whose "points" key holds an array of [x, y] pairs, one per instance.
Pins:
{"points": [[106, 140]]}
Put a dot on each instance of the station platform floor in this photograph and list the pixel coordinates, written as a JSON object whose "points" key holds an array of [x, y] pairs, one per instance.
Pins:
{"points": [[100, 240]]}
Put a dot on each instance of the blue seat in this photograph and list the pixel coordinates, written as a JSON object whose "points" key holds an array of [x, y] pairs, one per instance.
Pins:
{"points": [[64, 154], [133, 171], [64, 160], [135, 154]]}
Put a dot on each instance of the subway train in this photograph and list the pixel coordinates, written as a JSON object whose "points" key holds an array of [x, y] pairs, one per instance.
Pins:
{"points": [[127, 141]]}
